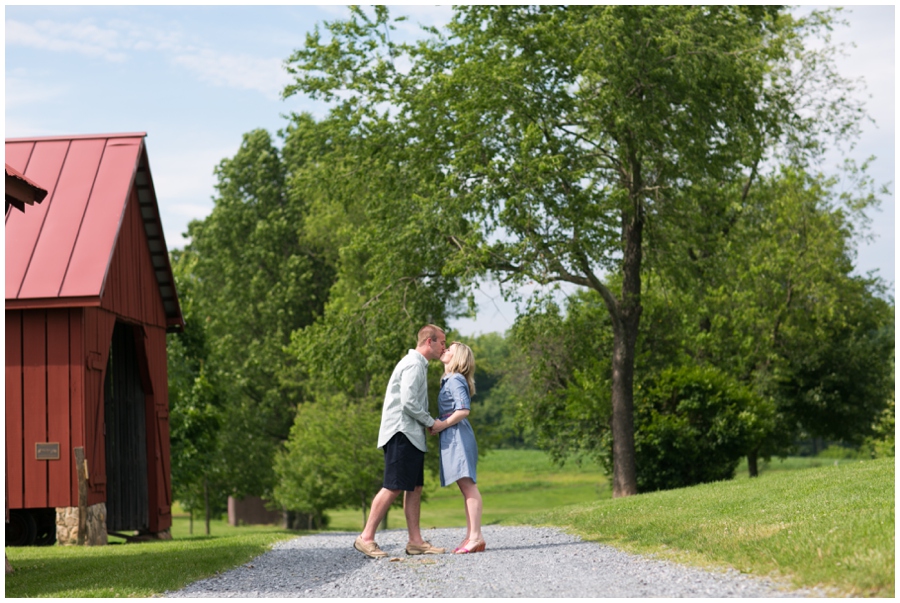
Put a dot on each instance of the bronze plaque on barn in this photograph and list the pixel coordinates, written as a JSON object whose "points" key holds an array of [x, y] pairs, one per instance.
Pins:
{"points": [[46, 451]]}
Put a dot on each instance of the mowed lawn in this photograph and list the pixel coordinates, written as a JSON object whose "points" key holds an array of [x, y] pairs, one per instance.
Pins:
{"points": [[809, 520], [137, 570], [512, 483], [517, 483], [829, 526]]}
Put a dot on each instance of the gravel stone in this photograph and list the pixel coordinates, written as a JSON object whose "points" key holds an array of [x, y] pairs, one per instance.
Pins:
{"points": [[520, 561]]}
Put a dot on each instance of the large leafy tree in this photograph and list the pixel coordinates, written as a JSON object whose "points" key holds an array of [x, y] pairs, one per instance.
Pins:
{"points": [[257, 279], [771, 302], [562, 134], [195, 404], [306, 294], [787, 315], [369, 206], [370, 211]]}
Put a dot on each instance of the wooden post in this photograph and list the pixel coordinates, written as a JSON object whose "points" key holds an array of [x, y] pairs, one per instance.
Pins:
{"points": [[81, 469]]}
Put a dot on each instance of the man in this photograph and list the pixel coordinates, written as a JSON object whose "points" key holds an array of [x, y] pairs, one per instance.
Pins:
{"points": [[404, 419]]}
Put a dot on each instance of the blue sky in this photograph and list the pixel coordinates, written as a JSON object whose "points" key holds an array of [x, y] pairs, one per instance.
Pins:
{"points": [[197, 78]]}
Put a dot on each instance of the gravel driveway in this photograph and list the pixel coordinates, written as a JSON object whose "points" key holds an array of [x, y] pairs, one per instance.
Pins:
{"points": [[520, 561]]}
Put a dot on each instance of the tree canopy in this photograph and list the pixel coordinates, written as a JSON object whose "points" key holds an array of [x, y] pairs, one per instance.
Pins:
{"points": [[256, 279], [558, 136], [662, 159], [777, 311]]}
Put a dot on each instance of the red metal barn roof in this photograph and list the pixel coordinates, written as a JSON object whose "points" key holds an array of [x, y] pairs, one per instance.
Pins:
{"points": [[58, 254]]}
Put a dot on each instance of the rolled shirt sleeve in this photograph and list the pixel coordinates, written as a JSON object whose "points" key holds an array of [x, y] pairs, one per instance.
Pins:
{"points": [[459, 390]]}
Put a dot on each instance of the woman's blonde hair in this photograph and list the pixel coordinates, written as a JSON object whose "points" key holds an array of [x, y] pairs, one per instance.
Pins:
{"points": [[463, 362]]}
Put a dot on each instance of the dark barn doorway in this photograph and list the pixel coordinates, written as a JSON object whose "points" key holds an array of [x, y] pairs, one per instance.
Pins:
{"points": [[126, 436]]}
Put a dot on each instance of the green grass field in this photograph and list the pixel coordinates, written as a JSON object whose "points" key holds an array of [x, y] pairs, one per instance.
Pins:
{"points": [[829, 526], [515, 483], [512, 483], [137, 570], [809, 520]]}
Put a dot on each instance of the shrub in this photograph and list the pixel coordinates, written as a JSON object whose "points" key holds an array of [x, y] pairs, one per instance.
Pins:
{"points": [[330, 460], [693, 425], [881, 443], [838, 452]]}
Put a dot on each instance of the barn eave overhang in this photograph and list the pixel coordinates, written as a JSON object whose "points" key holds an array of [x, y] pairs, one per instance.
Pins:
{"points": [[156, 242]]}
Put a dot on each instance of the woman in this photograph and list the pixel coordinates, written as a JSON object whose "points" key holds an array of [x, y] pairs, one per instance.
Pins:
{"points": [[459, 452]]}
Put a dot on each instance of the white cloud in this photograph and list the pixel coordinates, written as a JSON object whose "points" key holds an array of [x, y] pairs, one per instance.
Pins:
{"points": [[265, 75], [867, 39], [83, 38], [117, 39]]}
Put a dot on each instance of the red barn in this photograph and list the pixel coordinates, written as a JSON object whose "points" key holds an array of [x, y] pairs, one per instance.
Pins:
{"points": [[89, 299]]}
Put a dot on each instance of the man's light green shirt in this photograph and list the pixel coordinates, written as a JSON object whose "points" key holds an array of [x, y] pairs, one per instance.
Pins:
{"points": [[406, 402]]}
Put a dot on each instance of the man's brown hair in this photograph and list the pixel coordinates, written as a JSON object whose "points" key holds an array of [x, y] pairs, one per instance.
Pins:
{"points": [[428, 332]]}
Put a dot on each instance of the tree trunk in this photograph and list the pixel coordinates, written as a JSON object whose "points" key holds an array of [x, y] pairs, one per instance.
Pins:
{"points": [[625, 326], [206, 502], [753, 463], [624, 468]]}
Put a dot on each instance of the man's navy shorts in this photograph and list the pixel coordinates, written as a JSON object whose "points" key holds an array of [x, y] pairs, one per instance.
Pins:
{"points": [[404, 464]]}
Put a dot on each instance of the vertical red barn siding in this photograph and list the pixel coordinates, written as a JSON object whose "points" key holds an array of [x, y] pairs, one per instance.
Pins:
{"points": [[38, 403], [14, 413], [59, 406], [34, 358], [131, 287], [160, 485]]}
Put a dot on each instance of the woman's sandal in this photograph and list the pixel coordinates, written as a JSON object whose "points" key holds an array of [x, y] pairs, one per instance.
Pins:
{"points": [[477, 548]]}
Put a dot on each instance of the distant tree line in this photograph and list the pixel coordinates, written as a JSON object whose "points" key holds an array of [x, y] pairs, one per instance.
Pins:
{"points": [[660, 158]]}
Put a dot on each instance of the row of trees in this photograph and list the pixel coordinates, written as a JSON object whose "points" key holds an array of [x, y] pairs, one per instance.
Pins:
{"points": [[661, 158]]}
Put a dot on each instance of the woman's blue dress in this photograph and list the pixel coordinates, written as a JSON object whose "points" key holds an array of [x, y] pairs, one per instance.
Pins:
{"points": [[459, 452]]}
